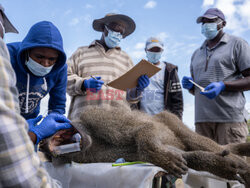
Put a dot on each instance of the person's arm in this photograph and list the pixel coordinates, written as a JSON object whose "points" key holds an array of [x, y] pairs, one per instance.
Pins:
{"points": [[57, 99], [242, 84], [75, 84], [175, 95], [20, 166], [242, 62]]}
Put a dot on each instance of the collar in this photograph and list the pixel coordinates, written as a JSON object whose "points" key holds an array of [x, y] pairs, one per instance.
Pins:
{"points": [[224, 39], [96, 43]]}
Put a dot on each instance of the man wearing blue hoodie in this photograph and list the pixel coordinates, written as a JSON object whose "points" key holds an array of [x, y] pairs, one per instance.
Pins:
{"points": [[20, 165], [39, 64]]}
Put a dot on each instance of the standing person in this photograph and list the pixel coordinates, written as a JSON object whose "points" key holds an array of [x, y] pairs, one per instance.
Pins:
{"points": [[222, 66], [102, 59], [164, 91], [40, 65], [20, 166]]}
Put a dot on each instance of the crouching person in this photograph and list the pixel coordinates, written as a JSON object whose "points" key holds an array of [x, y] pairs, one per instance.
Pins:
{"points": [[39, 64]]}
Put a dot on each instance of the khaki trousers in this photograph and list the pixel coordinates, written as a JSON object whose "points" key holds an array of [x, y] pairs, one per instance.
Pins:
{"points": [[223, 133]]}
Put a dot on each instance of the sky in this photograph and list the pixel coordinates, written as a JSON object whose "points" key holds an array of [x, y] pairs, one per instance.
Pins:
{"points": [[172, 21]]}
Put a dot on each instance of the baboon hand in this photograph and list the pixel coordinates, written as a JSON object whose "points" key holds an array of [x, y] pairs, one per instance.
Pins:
{"points": [[176, 164]]}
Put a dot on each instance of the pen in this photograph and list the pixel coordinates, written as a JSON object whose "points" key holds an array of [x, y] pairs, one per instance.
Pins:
{"points": [[96, 79]]}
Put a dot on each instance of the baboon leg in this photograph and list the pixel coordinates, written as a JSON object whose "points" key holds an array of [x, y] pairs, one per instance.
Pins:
{"points": [[150, 149], [218, 164], [190, 139], [242, 149]]}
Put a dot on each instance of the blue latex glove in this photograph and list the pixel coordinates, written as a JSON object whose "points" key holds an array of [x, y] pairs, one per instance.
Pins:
{"points": [[33, 122], [94, 85], [186, 84], [213, 89], [49, 126], [143, 82]]}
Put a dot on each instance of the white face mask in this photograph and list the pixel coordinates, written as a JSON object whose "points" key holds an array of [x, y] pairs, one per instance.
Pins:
{"points": [[2, 28], [38, 69]]}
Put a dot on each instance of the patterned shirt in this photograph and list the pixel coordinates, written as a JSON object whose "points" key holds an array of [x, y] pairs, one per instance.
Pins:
{"points": [[93, 60], [19, 164]]}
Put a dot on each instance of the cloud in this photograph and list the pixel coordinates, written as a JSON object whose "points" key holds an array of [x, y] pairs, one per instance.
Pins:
{"points": [[248, 106], [150, 4], [140, 45], [163, 36], [236, 12], [74, 21], [207, 3], [137, 54]]}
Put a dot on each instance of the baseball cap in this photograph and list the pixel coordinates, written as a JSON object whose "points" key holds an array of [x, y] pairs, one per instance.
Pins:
{"points": [[211, 13], [154, 42], [9, 28]]}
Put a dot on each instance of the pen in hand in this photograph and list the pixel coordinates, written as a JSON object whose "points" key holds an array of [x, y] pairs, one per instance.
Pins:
{"points": [[96, 79]]}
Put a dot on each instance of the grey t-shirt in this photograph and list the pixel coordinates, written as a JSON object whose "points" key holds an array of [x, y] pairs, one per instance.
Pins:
{"points": [[226, 61]]}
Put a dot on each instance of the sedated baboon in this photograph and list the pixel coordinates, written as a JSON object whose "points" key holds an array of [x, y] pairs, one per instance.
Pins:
{"points": [[163, 140]]}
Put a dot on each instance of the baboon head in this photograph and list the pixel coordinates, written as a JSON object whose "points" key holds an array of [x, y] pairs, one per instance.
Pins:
{"points": [[64, 137]]}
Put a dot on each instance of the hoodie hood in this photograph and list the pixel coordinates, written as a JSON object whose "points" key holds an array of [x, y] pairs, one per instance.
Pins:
{"points": [[42, 34]]}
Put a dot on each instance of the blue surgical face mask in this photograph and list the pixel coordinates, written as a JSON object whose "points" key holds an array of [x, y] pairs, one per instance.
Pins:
{"points": [[209, 30], [153, 57], [113, 38], [38, 69]]}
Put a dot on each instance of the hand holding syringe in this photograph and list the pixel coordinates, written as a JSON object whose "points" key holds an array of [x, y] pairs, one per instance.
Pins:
{"points": [[201, 88]]}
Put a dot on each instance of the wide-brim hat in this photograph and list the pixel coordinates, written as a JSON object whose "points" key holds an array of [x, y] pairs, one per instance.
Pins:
{"points": [[98, 24], [9, 28]]}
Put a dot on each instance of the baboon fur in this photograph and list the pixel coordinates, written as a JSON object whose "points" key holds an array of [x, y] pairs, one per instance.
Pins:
{"points": [[163, 140]]}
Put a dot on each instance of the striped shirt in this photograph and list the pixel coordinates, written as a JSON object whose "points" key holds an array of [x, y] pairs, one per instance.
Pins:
{"points": [[223, 62], [19, 164], [94, 60]]}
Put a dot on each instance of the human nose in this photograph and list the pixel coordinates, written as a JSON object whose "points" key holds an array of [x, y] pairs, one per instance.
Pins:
{"points": [[46, 62]]}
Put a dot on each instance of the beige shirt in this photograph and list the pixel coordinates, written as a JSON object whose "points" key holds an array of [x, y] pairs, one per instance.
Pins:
{"points": [[93, 60]]}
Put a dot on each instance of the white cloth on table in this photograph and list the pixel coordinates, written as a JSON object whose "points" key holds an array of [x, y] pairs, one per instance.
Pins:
{"points": [[103, 175]]}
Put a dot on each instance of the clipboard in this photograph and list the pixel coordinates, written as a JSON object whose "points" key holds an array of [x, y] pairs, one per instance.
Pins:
{"points": [[129, 79]]}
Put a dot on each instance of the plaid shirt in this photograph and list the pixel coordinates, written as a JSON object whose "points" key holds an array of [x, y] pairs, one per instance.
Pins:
{"points": [[19, 164]]}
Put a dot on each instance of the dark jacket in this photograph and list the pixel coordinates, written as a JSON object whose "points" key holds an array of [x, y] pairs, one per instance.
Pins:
{"points": [[42, 34], [173, 98]]}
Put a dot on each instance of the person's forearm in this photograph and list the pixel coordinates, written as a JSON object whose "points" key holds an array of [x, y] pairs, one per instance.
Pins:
{"points": [[32, 137], [133, 96], [238, 85]]}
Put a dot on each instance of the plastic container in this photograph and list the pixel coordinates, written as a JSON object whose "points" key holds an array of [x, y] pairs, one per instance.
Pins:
{"points": [[67, 148]]}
